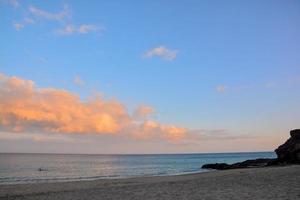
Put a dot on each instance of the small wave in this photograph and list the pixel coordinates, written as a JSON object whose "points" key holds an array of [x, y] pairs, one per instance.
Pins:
{"points": [[21, 180]]}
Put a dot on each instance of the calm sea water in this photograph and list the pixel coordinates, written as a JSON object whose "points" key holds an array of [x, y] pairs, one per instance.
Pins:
{"points": [[24, 168]]}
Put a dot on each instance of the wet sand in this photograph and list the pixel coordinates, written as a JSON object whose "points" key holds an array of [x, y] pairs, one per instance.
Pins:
{"points": [[256, 183]]}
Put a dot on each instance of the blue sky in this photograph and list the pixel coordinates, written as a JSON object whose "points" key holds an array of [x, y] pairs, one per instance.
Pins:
{"points": [[209, 65]]}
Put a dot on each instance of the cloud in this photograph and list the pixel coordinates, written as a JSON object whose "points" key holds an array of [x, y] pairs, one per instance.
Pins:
{"points": [[67, 30], [65, 13], [81, 29], [78, 81], [215, 134], [152, 129], [86, 28], [222, 88], [27, 108], [143, 111], [163, 52], [63, 18], [20, 25], [36, 137], [14, 3]]}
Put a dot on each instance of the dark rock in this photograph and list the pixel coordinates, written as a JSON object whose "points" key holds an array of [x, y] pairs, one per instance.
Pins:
{"points": [[220, 166], [261, 162], [251, 163], [289, 152]]}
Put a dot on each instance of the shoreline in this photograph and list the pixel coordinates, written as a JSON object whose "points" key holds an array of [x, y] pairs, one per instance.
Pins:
{"points": [[79, 179], [280, 182]]}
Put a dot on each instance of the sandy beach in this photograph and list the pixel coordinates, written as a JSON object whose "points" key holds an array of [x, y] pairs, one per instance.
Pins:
{"points": [[255, 183]]}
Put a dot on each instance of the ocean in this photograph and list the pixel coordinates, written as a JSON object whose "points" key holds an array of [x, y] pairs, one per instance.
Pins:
{"points": [[37, 168]]}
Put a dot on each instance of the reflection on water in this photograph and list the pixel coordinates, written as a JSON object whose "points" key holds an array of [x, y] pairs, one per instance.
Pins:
{"points": [[24, 168]]}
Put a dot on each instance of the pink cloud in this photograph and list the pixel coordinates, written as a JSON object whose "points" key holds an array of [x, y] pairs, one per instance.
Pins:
{"points": [[27, 108]]}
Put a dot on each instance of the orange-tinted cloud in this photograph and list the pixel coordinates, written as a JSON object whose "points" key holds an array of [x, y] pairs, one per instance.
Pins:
{"points": [[152, 129], [27, 108], [143, 111]]}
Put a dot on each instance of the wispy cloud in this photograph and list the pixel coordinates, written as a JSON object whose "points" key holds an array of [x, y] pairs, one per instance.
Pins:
{"points": [[63, 18], [248, 87], [222, 88], [36, 137], [67, 30], [215, 134], [58, 16], [163, 52], [143, 111], [20, 25], [81, 29], [14, 3], [86, 28], [78, 81]]}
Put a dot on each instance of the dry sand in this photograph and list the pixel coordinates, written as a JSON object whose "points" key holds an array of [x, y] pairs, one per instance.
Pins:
{"points": [[257, 183]]}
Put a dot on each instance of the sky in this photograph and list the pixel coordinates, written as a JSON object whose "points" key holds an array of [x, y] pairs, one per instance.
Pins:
{"points": [[118, 77]]}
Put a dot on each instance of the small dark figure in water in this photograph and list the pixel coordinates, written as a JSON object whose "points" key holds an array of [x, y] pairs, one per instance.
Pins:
{"points": [[41, 169]]}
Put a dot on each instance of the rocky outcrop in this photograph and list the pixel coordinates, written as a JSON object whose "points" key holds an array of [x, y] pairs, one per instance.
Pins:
{"points": [[287, 153], [219, 166], [261, 162]]}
